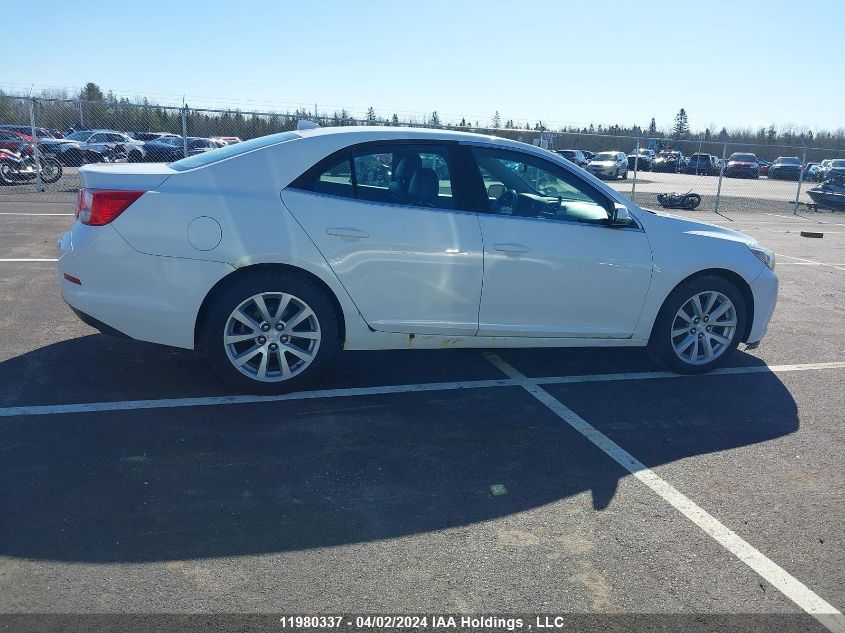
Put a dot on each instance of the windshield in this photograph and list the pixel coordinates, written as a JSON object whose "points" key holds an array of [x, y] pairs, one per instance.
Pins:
{"points": [[839, 162], [744, 158], [605, 156], [78, 136], [788, 160], [222, 153]]}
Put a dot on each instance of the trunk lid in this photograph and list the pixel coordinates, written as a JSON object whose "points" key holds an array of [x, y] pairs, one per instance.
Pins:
{"points": [[124, 176]]}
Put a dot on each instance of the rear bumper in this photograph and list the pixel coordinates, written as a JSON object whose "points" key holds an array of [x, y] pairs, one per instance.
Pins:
{"points": [[125, 292], [764, 289]]}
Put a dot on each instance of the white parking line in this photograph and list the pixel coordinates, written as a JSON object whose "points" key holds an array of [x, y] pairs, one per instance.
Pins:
{"points": [[805, 218], [778, 577], [20, 259], [811, 261], [805, 264], [174, 403]]}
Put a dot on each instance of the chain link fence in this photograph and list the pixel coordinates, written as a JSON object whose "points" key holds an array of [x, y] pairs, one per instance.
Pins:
{"points": [[726, 176]]}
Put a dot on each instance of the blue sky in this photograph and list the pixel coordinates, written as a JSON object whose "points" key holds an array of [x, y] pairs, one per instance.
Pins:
{"points": [[737, 64]]}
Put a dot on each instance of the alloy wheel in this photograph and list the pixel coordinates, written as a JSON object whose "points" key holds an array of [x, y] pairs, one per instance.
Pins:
{"points": [[703, 328], [272, 336]]}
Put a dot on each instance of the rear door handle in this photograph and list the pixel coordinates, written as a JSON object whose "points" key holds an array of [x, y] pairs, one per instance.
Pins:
{"points": [[511, 248], [347, 232]]}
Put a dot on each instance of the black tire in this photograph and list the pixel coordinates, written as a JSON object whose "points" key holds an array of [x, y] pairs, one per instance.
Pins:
{"points": [[211, 331], [48, 176], [6, 178], [660, 346]]}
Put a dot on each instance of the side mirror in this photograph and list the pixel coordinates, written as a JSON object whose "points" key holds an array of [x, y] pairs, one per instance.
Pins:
{"points": [[495, 190], [619, 216]]}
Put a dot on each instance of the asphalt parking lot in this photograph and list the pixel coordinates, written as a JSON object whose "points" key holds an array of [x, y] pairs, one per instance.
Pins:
{"points": [[425, 481]]}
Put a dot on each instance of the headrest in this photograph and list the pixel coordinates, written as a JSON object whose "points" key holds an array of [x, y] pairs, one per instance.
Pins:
{"points": [[424, 186], [408, 164]]}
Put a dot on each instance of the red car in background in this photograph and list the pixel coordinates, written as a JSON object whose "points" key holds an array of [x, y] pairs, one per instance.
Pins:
{"points": [[11, 141]]}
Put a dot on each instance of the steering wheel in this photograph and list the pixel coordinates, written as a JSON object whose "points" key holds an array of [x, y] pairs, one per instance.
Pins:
{"points": [[507, 199]]}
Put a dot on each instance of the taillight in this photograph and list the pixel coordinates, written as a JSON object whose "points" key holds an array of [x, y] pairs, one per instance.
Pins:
{"points": [[97, 207]]}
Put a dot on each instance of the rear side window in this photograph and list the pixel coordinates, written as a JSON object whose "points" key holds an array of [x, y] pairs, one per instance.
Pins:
{"points": [[403, 174], [216, 155]]}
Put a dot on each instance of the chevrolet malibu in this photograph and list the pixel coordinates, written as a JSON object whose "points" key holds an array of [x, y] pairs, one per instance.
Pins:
{"points": [[272, 255]]}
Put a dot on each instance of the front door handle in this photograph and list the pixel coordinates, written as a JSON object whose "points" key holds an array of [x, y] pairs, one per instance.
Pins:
{"points": [[347, 232], [511, 248]]}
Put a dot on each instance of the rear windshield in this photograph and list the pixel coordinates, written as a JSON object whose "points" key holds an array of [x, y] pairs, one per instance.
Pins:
{"points": [[605, 156], [215, 155], [839, 162], [788, 160], [744, 158]]}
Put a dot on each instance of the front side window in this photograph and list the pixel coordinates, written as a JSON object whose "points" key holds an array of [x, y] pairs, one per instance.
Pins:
{"points": [[526, 186], [403, 174]]}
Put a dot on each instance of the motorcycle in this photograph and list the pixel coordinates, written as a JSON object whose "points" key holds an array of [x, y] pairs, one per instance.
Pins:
{"points": [[687, 201], [19, 167]]}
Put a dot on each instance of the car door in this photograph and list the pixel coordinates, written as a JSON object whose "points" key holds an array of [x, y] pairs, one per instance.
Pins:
{"points": [[553, 266], [393, 222]]}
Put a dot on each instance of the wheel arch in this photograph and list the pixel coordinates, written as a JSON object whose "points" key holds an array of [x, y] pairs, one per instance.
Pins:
{"points": [[737, 280], [246, 271]]}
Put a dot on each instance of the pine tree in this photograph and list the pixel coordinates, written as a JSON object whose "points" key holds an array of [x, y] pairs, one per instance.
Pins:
{"points": [[463, 122], [371, 115], [395, 120], [435, 119], [91, 92], [681, 127], [652, 127], [497, 121], [771, 134]]}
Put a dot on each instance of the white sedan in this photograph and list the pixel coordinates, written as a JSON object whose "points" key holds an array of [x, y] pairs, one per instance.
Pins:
{"points": [[271, 255]]}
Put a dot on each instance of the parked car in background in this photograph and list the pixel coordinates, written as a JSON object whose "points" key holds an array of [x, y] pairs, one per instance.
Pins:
{"points": [[40, 132], [15, 142], [703, 165], [742, 165], [811, 171], [836, 169], [785, 168], [763, 167], [643, 159], [89, 146], [575, 156], [137, 153], [150, 136], [669, 161], [167, 149], [589, 155], [227, 140], [152, 256], [609, 165]]}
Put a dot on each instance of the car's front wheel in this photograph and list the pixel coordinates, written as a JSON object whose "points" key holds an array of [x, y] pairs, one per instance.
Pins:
{"points": [[270, 332], [699, 326]]}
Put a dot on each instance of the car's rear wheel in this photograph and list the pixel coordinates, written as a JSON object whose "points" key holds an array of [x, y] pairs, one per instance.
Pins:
{"points": [[270, 332], [699, 326]]}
